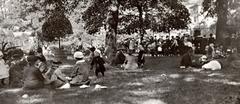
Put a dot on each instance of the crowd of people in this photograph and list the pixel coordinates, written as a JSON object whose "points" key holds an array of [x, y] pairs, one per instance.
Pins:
{"points": [[178, 45], [39, 72], [213, 57]]}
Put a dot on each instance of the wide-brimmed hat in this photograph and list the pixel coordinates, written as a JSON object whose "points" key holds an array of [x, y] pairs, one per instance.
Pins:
{"points": [[204, 58], [96, 53], [78, 54]]}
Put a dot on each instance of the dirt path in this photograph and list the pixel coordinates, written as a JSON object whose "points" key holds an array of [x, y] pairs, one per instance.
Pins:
{"points": [[160, 82]]}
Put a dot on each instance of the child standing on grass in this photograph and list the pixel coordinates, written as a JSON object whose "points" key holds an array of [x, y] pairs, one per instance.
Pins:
{"points": [[98, 63], [141, 58]]}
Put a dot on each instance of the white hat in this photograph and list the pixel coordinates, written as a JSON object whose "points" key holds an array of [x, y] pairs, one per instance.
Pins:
{"points": [[96, 53], [204, 58], [97, 50], [78, 55], [189, 44]]}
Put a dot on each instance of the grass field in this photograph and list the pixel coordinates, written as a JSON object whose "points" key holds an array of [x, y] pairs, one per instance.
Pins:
{"points": [[160, 82]]}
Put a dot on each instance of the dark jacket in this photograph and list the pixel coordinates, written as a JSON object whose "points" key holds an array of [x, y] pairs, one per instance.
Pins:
{"points": [[186, 60], [33, 78], [98, 62]]}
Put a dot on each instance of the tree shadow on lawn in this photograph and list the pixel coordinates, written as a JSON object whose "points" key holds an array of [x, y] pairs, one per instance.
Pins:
{"points": [[161, 81]]}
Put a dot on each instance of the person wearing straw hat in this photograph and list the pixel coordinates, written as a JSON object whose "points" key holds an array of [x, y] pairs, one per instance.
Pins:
{"points": [[80, 74], [4, 70]]}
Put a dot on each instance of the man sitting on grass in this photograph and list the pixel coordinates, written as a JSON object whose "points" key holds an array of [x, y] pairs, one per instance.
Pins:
{"points": [[186, 60], [33, 78]]}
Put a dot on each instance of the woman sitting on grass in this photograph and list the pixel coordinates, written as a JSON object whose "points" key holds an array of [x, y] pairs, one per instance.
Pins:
{"points": [[80, 74], [130, 62]]}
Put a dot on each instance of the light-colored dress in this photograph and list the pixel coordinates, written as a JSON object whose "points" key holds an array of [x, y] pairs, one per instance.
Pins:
{"points": [[4, 69], [131, 63], [212, 65]]}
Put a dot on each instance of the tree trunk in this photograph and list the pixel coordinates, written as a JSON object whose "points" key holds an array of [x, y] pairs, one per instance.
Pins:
{"points": [[111, 36], [219, 32], [221, 21], [140, 10]]}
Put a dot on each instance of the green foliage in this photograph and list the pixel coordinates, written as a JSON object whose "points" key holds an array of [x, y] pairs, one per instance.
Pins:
{"points": [[95, 16], [157, 15], [55, 27], [217, 7]]}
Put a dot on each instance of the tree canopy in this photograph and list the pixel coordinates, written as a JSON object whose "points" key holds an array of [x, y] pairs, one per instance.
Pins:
{"points": [[225, 11], [157, 15]]}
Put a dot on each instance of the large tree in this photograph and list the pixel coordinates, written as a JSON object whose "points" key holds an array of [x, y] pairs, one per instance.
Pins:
{"points": [[158, 15], [31, 14], [221, 9]]}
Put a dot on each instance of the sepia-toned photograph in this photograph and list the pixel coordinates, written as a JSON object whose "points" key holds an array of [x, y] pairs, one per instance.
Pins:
{"points": [[120, 51]]}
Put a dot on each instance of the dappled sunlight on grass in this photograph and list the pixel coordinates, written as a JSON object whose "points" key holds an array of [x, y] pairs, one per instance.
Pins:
{"points": [[189, 79], [154, 79], [161, 83], [174, 76], [15, 90], [31, 101], [222, 81], [216, 74], [153, 101], [149, 93], [135, 84]]}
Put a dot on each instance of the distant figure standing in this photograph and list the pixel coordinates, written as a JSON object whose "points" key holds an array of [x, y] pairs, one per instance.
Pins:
{"points": [[210, 51], [98, 64], [203, 44], [131, 46], [141, 58], [80, 44], [211, 39]]}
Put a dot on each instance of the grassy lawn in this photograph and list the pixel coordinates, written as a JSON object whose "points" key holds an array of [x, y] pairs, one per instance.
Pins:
{"points": [[160, 82]]}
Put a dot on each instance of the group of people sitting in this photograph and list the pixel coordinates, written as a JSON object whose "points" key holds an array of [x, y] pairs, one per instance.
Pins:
{"points": [[214, 59], [38, 72]]}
